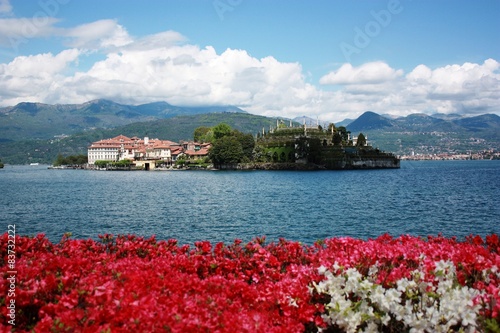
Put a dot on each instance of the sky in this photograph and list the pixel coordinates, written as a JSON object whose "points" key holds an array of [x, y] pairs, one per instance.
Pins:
{"points": [[325, 59]]}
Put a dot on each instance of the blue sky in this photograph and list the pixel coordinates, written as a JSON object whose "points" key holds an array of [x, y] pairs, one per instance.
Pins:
{"points": [[326, 59]]}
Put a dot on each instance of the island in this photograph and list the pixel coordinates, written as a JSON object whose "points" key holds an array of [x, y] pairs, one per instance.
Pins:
{"points": [[312, 147], [293, 147]]}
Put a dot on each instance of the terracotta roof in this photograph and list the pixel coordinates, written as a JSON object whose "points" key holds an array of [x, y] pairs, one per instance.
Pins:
{"points": [[201, 152], [176, 150]]}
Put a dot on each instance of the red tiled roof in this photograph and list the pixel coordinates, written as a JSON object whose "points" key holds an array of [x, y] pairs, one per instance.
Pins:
{"points": [[201, 152]]}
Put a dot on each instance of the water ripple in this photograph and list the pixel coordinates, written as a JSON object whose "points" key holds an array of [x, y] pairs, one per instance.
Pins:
{"points": [[453, 198]]}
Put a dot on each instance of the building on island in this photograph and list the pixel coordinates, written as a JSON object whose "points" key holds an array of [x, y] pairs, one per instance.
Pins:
{"points": [[145, 153], [313, 146]]}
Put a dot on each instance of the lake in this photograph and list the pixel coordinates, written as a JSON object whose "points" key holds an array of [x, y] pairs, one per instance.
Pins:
{"points": [[453, 198]]}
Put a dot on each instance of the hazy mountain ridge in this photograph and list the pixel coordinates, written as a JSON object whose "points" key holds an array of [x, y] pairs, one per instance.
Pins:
{"points": [[174, 129], [28, 130], [43, 121], [424, 134], [424, 123]]}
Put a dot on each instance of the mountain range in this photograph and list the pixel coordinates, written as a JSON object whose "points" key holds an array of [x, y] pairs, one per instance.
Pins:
{"points": [[43, 121], [36, 132], [424, 134], [425, 123]]}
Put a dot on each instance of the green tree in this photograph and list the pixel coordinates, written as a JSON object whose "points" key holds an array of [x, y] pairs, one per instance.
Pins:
{"points": [[226, 151], [344, 134], [101, 163], [70, 160], [60, 160], [221, 130], [201, 134], [337, 138], [247, 144], [361, 140]]}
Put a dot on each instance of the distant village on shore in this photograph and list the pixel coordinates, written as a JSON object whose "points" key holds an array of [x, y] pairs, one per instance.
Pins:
{"points": [[482, 155]]}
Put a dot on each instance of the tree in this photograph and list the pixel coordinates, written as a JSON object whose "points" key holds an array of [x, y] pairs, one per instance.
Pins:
{"points": [[71, 160], [337, 139], [60, 160], [247, 143], [201, 134], [361, 140], [221, 130], [344, 134], [226, 151]]}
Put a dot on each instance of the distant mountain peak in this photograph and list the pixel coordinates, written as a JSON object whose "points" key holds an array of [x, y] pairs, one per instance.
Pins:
{"points": [[369, 120], [99, 101]]}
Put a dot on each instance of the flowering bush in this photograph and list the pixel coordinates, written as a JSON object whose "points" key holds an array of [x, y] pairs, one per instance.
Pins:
{"points": [[127, 283]]}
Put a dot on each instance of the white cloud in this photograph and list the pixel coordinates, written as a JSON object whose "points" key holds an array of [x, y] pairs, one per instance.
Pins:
{"points": [[189, 75], [15, 31], [98, 35], [466, 89], [155, 41], [5, 7], [33, 78], [369, 73], [164, 67]]}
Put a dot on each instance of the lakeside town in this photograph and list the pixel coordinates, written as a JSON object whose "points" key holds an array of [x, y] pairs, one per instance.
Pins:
{"points": [[481, 155], [145, 153]]}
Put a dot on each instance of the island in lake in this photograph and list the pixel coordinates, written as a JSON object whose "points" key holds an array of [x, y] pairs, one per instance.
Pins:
{"points": [[220, 147], [312, 147]]}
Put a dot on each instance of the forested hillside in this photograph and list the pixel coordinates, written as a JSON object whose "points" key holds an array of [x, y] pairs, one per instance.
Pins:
{"points": [[174, 129]]}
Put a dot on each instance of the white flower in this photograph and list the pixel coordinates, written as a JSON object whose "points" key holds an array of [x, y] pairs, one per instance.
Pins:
{"points": [[402, 284], [392, 297], [421, 305], [385, 319], [371, 328], [322, 270], [373, 270]]}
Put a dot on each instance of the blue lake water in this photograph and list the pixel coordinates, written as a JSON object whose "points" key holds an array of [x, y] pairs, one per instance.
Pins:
{"points": [[454, 198]]}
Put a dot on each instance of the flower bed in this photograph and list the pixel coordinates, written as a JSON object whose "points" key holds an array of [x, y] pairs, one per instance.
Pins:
{"points": [[131, 284]]}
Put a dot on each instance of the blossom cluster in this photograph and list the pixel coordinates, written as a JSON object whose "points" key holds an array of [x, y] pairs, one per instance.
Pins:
{"points": [[439, 305], [128, 283]]}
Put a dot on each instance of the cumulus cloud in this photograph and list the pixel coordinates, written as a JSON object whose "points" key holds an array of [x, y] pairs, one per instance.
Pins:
{"points": [[468, 88], [189, 75], [165, 67], [369, 73], [33, 78]]}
